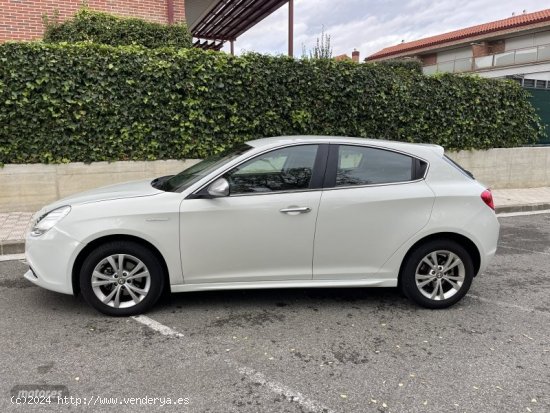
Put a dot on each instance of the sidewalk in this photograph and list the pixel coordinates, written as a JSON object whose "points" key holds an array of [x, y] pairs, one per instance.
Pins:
{"points": [[521, 200], [13, 225]]}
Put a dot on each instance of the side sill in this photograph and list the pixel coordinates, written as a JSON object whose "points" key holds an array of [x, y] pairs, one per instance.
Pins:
{"points": [[374, 282]]}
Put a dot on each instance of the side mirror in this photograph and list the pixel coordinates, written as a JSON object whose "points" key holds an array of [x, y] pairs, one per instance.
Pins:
{"points": [[219, 188]]}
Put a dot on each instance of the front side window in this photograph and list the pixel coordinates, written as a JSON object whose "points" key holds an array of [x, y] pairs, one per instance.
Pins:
{"points": [[286, 169], [359, 165], [189, 176]]}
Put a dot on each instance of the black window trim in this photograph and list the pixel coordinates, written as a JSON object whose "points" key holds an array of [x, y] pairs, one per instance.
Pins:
{"points": [[316, 182], [332, 165]]}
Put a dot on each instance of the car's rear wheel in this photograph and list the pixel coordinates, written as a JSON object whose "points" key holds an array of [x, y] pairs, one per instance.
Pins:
{"points": [[437, 274], [121, 278]]}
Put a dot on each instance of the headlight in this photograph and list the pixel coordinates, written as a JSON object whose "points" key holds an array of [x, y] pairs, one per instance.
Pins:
{"points": [[47, 221]]}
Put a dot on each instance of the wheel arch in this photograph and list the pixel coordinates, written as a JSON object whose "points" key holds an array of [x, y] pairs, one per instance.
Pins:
{"points": [[77, 266], [464, 241]]}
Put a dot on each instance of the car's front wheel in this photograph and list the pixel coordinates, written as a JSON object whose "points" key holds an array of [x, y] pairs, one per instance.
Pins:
{"points": [[121, 278], [437, 274]]}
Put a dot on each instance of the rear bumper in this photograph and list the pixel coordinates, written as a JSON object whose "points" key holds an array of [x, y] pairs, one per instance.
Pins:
{"points": [[486, 259], [487, 240]]}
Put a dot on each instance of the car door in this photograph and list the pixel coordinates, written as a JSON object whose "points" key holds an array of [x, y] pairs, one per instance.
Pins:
{"points": [[375, 199], [262, 231]]}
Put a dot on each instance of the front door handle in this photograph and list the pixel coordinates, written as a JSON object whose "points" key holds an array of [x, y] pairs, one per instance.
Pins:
{"points": [[296, 210]]}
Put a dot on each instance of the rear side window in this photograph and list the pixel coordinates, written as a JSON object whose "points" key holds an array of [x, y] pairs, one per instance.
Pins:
{"points": [[359, 165]]}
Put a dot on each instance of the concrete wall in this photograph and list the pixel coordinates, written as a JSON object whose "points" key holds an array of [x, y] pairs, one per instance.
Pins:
{"points": [[29, 187], [501, 168]]}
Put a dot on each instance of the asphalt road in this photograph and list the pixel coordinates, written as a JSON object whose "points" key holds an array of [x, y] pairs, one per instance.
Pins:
{"points": [[337, 350]]}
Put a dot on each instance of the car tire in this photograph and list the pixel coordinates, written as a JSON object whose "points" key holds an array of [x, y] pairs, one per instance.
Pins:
{"points": [[121, 278], [437, 274]]}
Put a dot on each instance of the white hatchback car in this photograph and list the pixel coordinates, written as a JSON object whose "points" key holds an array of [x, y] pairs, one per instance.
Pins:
{"points": [[276, 212]]}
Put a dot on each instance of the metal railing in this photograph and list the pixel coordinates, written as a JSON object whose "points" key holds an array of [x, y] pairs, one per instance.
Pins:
{"points": [[512, 57]]}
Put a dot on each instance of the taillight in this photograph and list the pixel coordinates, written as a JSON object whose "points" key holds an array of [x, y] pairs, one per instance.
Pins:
{"points": [[487, 197]]}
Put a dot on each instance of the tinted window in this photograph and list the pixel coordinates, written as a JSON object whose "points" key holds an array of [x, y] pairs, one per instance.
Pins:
{"points": [[280, 170], [189, 176], [364, 166]]}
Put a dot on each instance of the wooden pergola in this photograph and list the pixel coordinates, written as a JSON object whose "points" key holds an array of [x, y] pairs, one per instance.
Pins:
{"points": [[215, 22]]}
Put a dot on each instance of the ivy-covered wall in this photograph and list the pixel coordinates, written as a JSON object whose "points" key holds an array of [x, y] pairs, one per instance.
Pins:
{"points": [[91, 102]]}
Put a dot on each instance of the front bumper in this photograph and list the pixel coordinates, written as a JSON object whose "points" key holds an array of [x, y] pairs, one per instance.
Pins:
{"points": [[51, 258]]}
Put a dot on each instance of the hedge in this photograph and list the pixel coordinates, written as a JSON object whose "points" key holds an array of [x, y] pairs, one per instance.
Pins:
{"points": [[414, 65], [89, 102], [98, 27]]}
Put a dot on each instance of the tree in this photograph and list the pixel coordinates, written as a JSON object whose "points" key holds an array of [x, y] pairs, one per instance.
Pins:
{"points": [[322, 49]]}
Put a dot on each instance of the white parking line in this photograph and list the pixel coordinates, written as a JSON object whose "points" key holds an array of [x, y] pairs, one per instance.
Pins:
{"points": [[256, 377], [508, 305], [155, 325], [519, 214], [289, 394], [501, 245]]}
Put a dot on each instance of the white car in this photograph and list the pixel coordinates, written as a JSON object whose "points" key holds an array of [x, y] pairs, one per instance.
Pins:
{"points": [[277, 212]]}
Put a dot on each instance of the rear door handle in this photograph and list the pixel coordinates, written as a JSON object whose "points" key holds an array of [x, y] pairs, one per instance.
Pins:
{"points": [[296, 210]]}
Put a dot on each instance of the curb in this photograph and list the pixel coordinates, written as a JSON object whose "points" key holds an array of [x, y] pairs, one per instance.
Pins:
{"points": [[12, 247], [523, 208], [18, 246]]}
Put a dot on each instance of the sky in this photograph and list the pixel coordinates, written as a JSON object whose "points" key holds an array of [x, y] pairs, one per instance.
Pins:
{"points": [[371, 25]]}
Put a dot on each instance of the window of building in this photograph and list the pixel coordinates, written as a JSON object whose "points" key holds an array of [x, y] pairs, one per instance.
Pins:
{"points": [[544, 53], [529, 83], [519, 42], [454, 54], [542, 38]]}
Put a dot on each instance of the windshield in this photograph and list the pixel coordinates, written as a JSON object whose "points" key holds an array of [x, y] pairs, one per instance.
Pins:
{"points": [[189, 176]]}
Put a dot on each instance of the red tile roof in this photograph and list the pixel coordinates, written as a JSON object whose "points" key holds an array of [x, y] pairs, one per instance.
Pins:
{"points": [[496, 26], [341, 57]]}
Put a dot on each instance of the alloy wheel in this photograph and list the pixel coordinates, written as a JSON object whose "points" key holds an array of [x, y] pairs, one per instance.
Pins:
{"points": [[121, 281], [440, 275]]}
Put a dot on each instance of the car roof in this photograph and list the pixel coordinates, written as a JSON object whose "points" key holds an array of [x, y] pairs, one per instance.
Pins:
{"points": [[419, 149]]}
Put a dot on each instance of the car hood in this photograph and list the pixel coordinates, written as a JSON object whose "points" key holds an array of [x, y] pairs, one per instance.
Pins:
{"points": [[118, 191]]}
